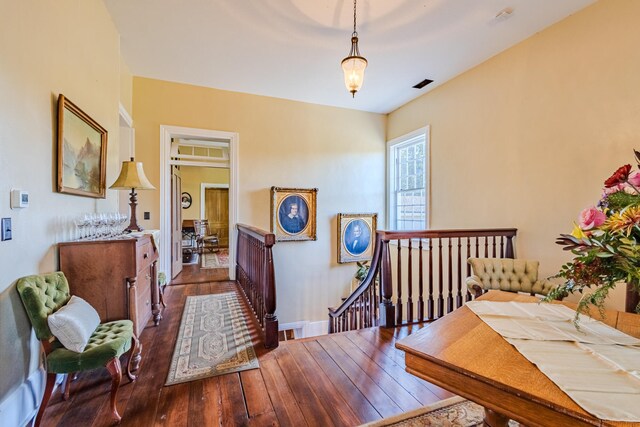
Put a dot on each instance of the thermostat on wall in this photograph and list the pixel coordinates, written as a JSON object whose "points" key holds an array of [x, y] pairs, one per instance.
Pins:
{"points": [[19, 199]]}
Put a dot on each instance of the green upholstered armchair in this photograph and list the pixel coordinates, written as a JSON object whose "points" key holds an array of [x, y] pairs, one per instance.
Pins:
{"points": [[506, 274], [43, 295]]}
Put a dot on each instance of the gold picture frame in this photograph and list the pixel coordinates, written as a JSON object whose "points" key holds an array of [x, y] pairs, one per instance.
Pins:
{"points": [[82, 152], [293, 213], [356, 236]]}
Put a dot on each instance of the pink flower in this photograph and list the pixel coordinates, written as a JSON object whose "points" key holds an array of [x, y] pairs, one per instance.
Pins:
{"points": [[634, 178], [606, 191], [591, 217]]}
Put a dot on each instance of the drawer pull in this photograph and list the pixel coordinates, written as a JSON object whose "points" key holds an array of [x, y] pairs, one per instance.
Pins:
{"points": [[145, 255]]}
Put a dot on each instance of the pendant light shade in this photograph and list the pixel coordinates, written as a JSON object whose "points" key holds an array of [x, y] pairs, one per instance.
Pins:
{"points": [[354, 65]]}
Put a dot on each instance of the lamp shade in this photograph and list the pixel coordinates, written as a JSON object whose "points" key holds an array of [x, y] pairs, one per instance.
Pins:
{"points": [[132, 177], [353, 67]]}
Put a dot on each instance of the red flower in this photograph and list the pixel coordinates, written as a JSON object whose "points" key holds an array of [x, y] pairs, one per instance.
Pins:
{"points": [[619, 177]]}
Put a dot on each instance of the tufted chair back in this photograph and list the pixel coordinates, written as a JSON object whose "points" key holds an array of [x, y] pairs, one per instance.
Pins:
{"points": [[506, 274], [41, 296]]}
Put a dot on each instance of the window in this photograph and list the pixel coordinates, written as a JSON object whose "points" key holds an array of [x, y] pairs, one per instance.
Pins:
{"points": [[407, 181]]}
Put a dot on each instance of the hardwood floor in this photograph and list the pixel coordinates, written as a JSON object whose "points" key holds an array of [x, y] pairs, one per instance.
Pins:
{"points": [[193, 273], [333, 380]]}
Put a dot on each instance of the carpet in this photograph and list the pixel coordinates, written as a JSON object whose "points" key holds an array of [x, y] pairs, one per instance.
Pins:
{"points": [[453, 412], [213, 339], [218, 259]]}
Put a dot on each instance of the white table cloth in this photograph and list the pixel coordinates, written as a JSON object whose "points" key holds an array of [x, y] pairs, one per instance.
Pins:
{"points": [[597, 365]]}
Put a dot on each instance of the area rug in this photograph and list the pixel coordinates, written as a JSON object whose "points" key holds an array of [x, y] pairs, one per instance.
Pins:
{"points": [[453, 412], [213, 339], [218, 259]]}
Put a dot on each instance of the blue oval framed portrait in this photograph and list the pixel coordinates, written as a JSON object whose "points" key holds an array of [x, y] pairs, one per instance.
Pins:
{"points": [[293, 214], [357, 237]]}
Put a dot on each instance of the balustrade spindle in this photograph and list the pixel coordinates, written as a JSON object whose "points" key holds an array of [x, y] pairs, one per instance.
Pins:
{"points": [[399, 273], [430, 302], [459, 281], [420, 282], [450, 279], [440, 281], [410, 283]]}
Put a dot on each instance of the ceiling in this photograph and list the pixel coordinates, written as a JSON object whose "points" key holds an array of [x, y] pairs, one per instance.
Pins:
{"points": [[292, 48]]}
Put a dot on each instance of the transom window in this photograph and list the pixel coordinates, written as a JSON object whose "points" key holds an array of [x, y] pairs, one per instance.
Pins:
{"points": [[407, 183]]}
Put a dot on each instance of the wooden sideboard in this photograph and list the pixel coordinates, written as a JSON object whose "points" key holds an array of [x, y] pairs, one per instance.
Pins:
{"points": [[117, 277]]}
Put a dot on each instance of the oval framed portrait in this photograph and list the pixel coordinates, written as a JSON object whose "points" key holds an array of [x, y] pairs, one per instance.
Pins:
{"points": [[293, 214], [356, 236], [186, 200]]}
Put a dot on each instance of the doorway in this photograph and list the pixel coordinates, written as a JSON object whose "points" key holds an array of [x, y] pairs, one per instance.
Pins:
{"points": [[208, 144]]}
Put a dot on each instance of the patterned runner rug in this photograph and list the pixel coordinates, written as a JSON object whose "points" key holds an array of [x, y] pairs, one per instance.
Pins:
{"points": [[213, 339], [453, 412], [218, 259]]}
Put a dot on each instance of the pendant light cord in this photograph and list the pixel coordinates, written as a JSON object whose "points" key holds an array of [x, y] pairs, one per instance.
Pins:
{"points": [[355, 33]]}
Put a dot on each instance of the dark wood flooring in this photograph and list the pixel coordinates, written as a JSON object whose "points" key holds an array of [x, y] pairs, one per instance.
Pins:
{"points": [[334, 380], [193, 273]]}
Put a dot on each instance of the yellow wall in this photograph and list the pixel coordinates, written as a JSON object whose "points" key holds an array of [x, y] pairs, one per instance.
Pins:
{"points": [[126, 87], [286, 144], [527, 138], [46, 48], [192, 177]]}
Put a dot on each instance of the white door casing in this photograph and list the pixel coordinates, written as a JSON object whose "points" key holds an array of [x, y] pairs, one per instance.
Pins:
{"points": [[166, 134]]}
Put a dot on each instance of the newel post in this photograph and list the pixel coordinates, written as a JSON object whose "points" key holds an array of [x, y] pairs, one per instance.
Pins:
{"points": [[270, 318], [387, 309]]}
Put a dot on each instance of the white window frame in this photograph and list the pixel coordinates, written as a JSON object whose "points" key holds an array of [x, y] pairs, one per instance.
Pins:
{"points": [[391, 173]]}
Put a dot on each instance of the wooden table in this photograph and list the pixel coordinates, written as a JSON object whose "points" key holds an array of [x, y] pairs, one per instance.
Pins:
{"points": [[465, 356]]}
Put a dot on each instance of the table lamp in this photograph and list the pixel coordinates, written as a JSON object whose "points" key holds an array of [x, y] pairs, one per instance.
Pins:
{"points": [[132, 177]]}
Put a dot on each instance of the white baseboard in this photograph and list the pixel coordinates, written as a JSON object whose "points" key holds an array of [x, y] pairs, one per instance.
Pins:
{"points": [[20, 407], [306, 328]]}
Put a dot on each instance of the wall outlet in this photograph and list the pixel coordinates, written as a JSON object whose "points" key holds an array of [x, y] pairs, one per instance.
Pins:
{"points": [[6, 229], [147, 215]]}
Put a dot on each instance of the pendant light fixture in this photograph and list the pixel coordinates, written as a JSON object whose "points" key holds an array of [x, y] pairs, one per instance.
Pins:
{"points": [[354, 64]]}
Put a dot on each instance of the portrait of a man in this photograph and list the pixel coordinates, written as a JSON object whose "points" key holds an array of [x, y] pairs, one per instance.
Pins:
{"points": [[357, 236], [293, 214]]}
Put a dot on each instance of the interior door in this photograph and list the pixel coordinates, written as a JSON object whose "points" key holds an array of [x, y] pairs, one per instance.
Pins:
{"points": [[216, 210], [176, 221]]}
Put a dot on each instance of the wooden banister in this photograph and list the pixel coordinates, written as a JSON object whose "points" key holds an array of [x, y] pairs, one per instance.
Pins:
{"points": [[444, 290], [256, 275]]}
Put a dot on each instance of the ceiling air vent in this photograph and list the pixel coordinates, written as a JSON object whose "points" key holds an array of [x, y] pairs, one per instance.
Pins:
{"points": [[423, 83]]}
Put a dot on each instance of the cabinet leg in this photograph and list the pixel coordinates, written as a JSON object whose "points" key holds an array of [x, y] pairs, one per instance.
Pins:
{"points": [[136, 358], [157, 314]]}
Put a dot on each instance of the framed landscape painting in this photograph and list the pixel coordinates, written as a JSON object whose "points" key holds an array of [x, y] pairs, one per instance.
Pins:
{"points": [[293, 213], [356, 236], [82, 150]]}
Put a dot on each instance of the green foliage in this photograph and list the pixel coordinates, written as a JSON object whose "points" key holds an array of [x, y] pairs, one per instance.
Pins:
{"points": [[620, 200]]}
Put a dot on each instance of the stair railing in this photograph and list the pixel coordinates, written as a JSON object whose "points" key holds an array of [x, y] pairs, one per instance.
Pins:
{"points": [[256, 276], [429, 267]]}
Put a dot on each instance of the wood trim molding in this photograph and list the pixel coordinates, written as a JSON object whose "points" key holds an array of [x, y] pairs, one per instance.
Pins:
{"points": [[168, 132]]}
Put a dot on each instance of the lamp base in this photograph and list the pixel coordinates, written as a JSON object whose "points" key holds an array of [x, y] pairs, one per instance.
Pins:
{"points": [[133, 222]]}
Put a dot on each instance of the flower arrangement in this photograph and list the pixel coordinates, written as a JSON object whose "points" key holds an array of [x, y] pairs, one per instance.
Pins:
{"points": [[605, 242]]}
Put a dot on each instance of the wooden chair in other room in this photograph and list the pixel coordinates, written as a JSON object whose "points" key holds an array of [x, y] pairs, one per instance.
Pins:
{"points": [[45, 294], [204, 237]]}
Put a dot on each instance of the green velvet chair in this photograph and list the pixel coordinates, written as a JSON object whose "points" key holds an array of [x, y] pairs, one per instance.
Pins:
{"points": [[43, 295]]}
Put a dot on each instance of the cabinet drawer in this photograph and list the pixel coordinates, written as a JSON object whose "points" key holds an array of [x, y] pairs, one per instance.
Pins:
{"points": [[144, 255]]}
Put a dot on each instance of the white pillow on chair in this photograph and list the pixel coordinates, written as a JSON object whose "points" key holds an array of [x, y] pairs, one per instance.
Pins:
{"points": [[74, 324]]}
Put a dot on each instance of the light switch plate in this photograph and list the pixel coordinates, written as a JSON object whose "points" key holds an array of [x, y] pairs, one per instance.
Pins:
{"points": [[6, 229]]}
